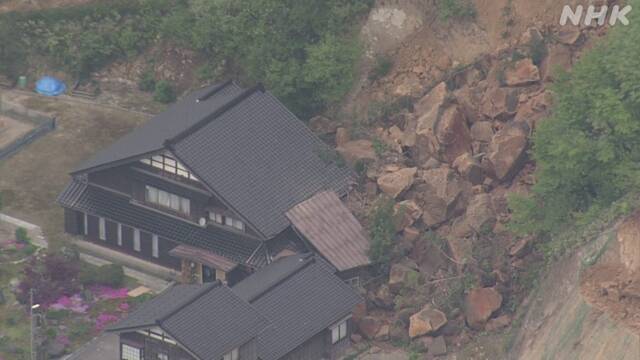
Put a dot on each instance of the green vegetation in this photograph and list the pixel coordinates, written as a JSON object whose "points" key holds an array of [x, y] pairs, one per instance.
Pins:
{"points": [[588, 152], [22, 236], [147, 81], [381, 230], [109, 275], [164, 92], [381, 68], [304, 51], [456, 9]]}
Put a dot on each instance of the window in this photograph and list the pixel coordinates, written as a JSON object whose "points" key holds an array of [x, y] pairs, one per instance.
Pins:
{"points": [[154, 246], [119, 234], [339, 331], [131, 353], [233, 355], [353, 282], [238, 224], [215, 217], [168, 200], [170, 165], [163, 356], [136, 239], [102, 231], [86, 224]]}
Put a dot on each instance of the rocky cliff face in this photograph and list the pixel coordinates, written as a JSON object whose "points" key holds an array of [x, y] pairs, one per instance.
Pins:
{"points": [[446, 137]]}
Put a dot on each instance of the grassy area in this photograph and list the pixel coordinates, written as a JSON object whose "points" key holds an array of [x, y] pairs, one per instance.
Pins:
{"points": [[14, 322], [31, 179]]}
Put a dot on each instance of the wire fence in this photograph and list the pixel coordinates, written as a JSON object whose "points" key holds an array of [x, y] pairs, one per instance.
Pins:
{"points": [[44, 123]]}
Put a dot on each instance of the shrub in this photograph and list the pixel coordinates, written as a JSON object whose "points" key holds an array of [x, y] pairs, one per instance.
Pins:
{"points": [[537, 50], [456, 9], [108, 275], [381, 230], [147, 81], [381, 68], [22, 236], [587, 152], [50, 277], [164, 92]]}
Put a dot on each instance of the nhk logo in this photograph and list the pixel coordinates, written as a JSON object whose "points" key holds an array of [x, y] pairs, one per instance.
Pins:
{"points": [[617, 14]]}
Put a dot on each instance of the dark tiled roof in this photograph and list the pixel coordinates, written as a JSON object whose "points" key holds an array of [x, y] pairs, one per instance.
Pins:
{"points": [[303, 298], [214, 324], [157, 308], [245, 145], [99, 202], [282, 305], [332, 229], [261, 159], [209, 320], [150, 136]]}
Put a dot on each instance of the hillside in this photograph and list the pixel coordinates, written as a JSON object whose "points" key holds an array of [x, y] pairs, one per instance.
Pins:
{"points": [[437, 106]]}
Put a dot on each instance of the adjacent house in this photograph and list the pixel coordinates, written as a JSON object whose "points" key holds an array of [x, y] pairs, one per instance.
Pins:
{"points": [[222, 183], [293, 309]]}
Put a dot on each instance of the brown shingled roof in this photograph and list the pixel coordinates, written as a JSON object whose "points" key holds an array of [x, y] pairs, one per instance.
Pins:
{"points": [[332, 229], [203, 256]]}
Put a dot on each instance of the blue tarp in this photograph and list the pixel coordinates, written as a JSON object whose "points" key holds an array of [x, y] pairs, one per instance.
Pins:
{"points": [[50, 86]]}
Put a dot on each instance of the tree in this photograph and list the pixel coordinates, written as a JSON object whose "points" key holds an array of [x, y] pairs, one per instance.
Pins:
{"points": [[588, 152], [49, 276]]}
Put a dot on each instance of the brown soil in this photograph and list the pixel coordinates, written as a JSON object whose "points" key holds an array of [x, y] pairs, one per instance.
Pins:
{"points": [[610, 289], [12, 129], [31, 179]]}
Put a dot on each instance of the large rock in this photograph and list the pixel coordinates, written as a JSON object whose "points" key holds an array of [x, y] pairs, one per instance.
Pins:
{"points": [[442, 194], [523, 72], [499, 103], [342, 136], [568, 35], [406, 213], [469, 168], [629, 240], [507, 151], [482, 131], [438, 347], [383, 298], [535, 109], [394, 183], [353, 151], [426, 321], [399, 276], [480, 304], [369, 327], [441, 129], [479, 217], [559, 59], [322, 125]]}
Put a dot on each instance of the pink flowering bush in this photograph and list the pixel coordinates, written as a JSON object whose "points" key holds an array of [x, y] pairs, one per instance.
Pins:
{"points": [[103, 320], [73, 303], [109, 293]]}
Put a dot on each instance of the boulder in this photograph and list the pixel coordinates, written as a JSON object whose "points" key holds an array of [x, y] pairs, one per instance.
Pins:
{"points": [[355, 150], [442, 194], [383, 298], [399, 276], [498, 323], [499, 103], [482, 131], [426, 321], [568, 35], [410, 234], [369, 327], [438, 347], [535, 109], [523, 72], [559, 59], [322, 125], [446, 138], [394, 183], [342, 136], [383, 333], [406, 213], [429, 105], [480, 304], [521, 247], [469, 168], [478, 217], [629, 241], [507, 151]]}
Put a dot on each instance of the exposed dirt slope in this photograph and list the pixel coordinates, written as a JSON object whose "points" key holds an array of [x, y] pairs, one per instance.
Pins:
{"points": [[562, 323]]}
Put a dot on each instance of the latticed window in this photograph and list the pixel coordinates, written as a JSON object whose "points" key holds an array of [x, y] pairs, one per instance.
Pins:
{"points": [[131, 353], [170, 165]]}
